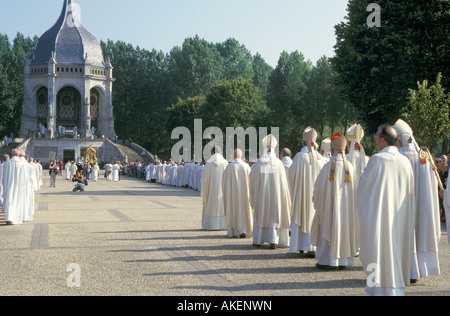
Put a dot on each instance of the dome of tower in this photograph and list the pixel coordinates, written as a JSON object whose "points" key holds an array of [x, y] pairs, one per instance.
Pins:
{"points": [[68, 41]]}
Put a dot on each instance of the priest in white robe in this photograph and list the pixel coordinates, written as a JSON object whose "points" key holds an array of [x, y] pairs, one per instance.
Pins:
{"points": [[94, 174], [334, 230], [2, 162], [270, 198], [445, 195], [200, 169], [14, 181], [236, 197], [73, 170], [31, 187], [213, 216], [302, 176], [180, 174], [386, 208], [115, 172], [427, 213], [67, 168]]}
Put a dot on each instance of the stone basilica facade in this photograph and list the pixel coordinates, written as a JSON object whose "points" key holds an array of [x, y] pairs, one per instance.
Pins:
{"points": [[67, 82]]}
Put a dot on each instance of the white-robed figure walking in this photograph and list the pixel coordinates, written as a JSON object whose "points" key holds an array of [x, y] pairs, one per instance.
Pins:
{"points": [[67, 167], [302, 176], [270, 198], [386, 209], [236, 197], [14, 181], [334, 230], [213, 215], [94, 173], [115, 172], [427, 232]]}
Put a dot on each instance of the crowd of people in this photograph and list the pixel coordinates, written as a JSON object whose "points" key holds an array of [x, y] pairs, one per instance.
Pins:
{"points": [[332, 203]]}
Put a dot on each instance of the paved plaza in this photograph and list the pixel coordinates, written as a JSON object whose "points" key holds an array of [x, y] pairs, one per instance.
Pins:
{"points": [[135, 238]]}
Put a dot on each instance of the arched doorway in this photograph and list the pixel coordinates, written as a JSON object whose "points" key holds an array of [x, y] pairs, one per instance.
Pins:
{"points": [[68, 108]]}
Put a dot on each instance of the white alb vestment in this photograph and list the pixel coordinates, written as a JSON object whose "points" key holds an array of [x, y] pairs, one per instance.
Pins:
{"points": [[1, 185], [73, 170], [67, 168], [270, 200], [447, 211], [236, 198], [302, 176], [115, 172], [31, 187], [334, 229], [386, 207], [14, 181], [213, 216], [427, 217]]}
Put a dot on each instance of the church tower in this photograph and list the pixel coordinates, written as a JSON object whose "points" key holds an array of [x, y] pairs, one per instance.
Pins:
{"points": [[67, 82]]}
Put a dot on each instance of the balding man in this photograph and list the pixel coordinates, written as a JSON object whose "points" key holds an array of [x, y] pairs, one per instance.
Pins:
{"points": [[14, 183], [385, 203], [236, 197]]}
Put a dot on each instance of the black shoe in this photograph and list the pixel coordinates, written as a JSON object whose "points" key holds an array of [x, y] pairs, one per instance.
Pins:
{"points": [[311, 254], [273, 246], [242, 235]]}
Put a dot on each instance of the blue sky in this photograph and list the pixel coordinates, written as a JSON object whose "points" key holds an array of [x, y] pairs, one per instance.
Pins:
{"points": [[264, 26]]}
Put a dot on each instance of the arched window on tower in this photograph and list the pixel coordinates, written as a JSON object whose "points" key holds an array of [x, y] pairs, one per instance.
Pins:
{"points": [[42, 105]]}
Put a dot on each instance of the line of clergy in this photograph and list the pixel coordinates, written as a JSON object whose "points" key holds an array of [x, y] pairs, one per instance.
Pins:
{"points": [[334, 206], [20, 178]]}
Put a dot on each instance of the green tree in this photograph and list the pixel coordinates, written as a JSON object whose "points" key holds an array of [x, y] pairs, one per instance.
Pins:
{"points": [[377, 65], [237, 60], [285, 97], [428, 113], [261, 74], [194, 68]]}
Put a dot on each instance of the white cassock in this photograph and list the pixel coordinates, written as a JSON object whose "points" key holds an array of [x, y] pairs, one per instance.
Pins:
{"points": [[447, 212], [94, 174], [236, 198], [427, 217], [67, 168], [40, 174], [1, 185], [31, 187], [334, 229], [213, 216], [186, 173], [14, 181], [199, 177], [386, 205], [36, 174], [302, 176], [271, 202], [174, 176], [73, 170], [147, 173], [180, 176], [115, 172]]}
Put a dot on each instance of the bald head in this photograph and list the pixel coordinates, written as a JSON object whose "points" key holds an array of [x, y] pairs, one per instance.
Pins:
{"points": [[237, 154], [15, 153]]}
